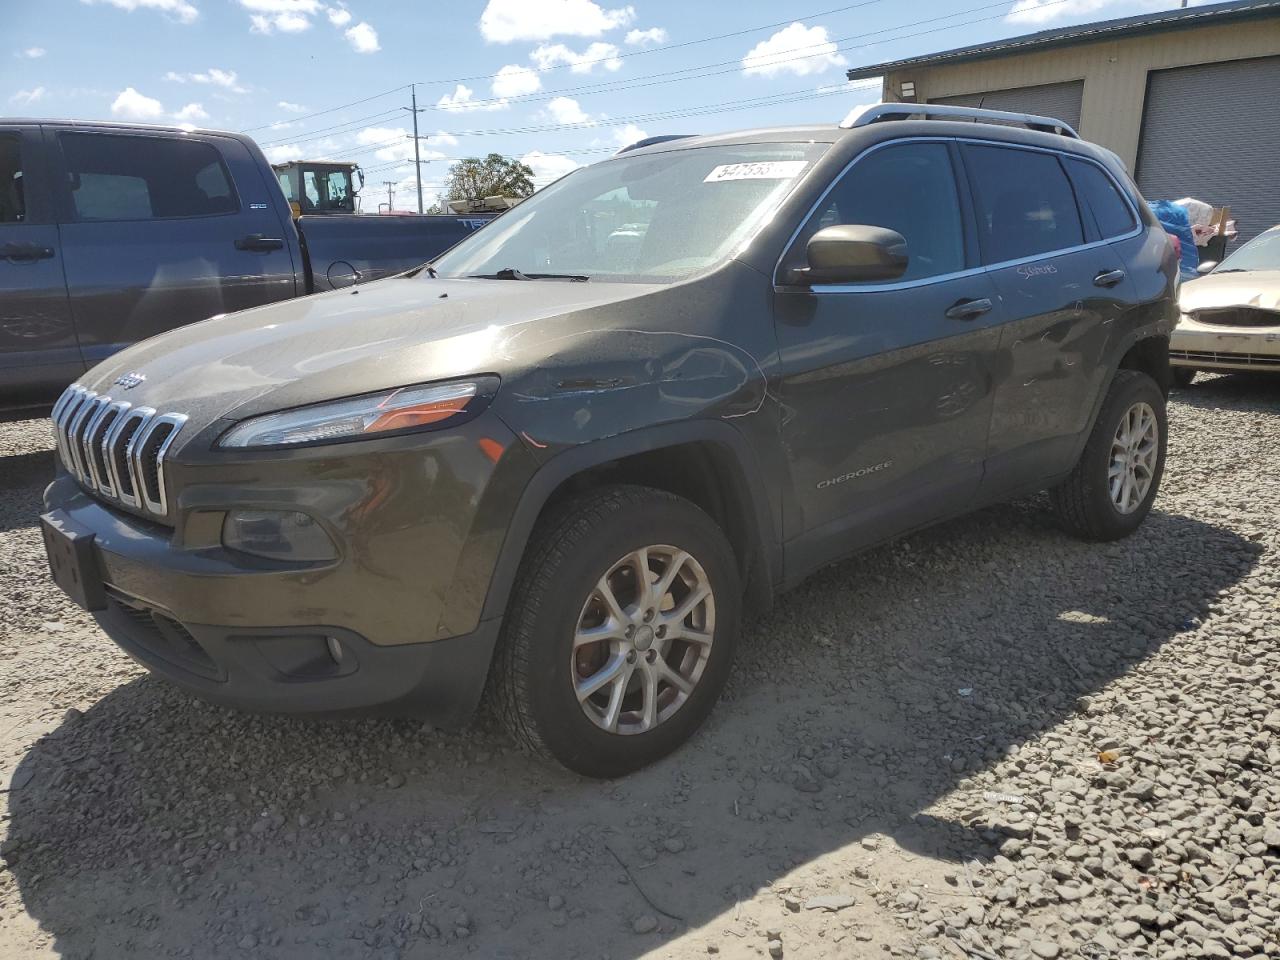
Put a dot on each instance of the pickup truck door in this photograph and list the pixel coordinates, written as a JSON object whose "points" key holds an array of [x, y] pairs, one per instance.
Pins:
{"points": [[886, 387], [161, 230], [38, 352]]}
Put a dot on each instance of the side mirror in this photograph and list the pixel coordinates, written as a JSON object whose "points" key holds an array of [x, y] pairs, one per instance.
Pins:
{"points": [[1206, 267], [853, 253]]}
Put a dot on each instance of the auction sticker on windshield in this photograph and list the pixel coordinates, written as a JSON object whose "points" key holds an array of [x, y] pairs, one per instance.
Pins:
{"points": [[761, 170]]}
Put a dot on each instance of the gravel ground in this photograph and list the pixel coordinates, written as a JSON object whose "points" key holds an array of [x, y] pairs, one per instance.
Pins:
{"points": [[985, 741]]}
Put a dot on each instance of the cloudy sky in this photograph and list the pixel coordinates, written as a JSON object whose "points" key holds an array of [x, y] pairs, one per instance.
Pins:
{"points": [[556, 83]]}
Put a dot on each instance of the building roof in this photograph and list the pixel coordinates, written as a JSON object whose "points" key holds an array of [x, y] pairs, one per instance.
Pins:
{"points": [[1177, 19]]}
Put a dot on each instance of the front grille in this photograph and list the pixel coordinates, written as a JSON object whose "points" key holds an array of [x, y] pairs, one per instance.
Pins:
{"points": [[116, 449], [1237, 317], [1261, 360]]}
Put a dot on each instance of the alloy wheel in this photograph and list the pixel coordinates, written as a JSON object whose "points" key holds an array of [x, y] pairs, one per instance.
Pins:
{"points": [[1134, 452]]}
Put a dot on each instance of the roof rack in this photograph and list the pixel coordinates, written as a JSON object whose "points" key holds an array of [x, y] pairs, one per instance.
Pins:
{"points": [[945, 111]]}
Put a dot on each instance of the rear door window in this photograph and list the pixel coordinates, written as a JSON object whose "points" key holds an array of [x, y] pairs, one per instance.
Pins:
{"points": [[115, 177], [1023, 202], [1099, 193], [910, 188], [13, 195]]}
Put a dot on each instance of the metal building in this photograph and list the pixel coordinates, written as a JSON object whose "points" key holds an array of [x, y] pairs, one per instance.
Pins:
{"points": [[1189, 98]]}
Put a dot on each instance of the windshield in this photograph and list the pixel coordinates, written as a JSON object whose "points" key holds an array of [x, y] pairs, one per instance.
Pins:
{"points": [[1260, 253], [651, 218]]}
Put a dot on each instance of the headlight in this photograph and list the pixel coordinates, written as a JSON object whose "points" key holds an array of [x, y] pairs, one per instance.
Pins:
{"points": [[402, 410]]}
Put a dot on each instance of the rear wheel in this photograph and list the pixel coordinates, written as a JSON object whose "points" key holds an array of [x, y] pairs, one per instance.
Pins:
{"points": [[1182, 376], [621, 630], [1111, 489]]}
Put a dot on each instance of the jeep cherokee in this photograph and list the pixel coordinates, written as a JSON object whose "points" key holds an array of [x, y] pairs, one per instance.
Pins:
{"points": [[557, 461]]}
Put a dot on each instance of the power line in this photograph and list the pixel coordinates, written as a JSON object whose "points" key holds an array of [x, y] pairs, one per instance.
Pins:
{"points": [[344, 106]]}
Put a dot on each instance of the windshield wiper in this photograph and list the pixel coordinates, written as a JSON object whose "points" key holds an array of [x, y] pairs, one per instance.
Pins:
{"points": [[511, 273], [1233, 270]]}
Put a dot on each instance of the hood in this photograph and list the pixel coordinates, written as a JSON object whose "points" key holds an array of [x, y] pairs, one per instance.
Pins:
{"points": [[381, 335], [1254, 288]]}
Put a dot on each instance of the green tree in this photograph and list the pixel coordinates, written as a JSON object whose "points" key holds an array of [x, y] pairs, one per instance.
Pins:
{"points": [[494, 176]]}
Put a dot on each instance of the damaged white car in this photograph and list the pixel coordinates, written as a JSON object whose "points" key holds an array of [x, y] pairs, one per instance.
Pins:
{"points": [[1231, 316]]}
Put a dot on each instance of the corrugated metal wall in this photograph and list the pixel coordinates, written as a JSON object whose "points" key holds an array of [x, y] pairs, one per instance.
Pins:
{"points": [[1058, 100], [1213, 132]]}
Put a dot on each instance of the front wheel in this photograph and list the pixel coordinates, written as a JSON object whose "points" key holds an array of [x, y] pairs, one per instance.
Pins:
{"points": [[621, 630], [1111, 489]]}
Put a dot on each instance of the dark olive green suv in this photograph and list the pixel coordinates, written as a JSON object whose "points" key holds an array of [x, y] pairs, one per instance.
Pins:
{"points": [[559, 460]]}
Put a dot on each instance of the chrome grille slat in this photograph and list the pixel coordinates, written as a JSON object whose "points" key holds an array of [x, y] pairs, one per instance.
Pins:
{"points": [[115, 449]]}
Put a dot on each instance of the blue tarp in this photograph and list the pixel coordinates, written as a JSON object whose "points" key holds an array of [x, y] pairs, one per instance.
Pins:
{"points": [[1175, 221]]}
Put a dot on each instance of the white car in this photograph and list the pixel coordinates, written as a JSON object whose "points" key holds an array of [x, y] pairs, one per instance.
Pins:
{"points": [[1231, 316]]}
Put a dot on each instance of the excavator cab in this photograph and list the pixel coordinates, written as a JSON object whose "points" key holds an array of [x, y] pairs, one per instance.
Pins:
{"points": [[320, 187]]}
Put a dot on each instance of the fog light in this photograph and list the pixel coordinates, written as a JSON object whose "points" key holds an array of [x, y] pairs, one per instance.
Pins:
{"points": [[335, 648], [277, 535]]}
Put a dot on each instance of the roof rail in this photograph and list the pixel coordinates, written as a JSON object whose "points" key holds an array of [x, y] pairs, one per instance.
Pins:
{"points": [[650, 141], [945, 111]]}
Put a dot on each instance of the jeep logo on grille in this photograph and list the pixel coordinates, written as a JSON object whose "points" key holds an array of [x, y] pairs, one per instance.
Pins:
{"points": [[130, 380]]}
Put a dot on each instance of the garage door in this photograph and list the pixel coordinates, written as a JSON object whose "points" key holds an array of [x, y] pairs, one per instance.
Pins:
{"points": [[1058, 100], [1209, 132]]}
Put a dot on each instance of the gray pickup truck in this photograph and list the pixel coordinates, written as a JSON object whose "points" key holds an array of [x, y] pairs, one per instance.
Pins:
{"points": [[112, 233]]}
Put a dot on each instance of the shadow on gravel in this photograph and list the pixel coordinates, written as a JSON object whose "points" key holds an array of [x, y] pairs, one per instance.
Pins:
{"points": [[1256, 390], [23, 477], [157, 826]]}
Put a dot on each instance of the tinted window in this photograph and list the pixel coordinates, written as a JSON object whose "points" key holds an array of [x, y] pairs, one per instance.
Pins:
{"points": [[13, 203], [1023, 202], [143, 178], [1110, 211], [909, 188]]}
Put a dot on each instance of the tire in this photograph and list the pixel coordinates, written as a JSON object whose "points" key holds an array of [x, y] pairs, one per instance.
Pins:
{"points": [[1182, 376], [591, 539], [1086, 501]]}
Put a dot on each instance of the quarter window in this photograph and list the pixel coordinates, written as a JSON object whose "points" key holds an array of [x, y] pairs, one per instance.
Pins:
{"points": [[1023, 201], [13, 198], [1097, 191], [145, 178], [910, 188]]}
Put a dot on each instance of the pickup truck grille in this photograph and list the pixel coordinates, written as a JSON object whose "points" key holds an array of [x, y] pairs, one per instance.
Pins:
{"points": [[115, 449]]}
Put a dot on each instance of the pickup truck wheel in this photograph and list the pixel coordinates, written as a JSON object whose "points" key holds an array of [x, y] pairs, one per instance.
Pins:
{"points": [[1182, 376], [620, 632], [1112, 487]]}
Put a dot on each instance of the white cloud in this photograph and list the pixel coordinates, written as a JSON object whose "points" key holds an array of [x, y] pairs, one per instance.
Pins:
{"points": [[642, 38], [795, 49], [505, 21], [598, 54], [190, 113], [338, 16], [180, 10], [462, 100], [227, 79], [132, 105], [32, 53], [548, 166], [283, 153], [27, 97], [516, 81], [291, 107], [397, 144], [1043, 11], [625, 136], [446, 138], [284, 22], [363, 38], [567, 110]]}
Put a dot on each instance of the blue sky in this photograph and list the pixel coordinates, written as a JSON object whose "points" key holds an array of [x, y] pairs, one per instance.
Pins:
{"points": [[555, 82]]}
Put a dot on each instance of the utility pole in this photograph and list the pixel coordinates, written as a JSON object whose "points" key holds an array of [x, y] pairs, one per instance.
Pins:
{"points": [[417, 162], [391, 196]]}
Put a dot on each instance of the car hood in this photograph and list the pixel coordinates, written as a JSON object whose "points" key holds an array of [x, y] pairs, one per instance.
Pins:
{"points": [[1255, 288], [372, 337]]}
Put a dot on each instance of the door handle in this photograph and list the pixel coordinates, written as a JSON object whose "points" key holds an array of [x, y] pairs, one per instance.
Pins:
{"points": [[1108, 278], [968, 309], [25, 251], [257, 243]]}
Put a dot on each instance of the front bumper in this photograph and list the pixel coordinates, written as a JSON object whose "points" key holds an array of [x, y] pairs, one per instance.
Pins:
{"points": [[1206, 347], [417, 529]]}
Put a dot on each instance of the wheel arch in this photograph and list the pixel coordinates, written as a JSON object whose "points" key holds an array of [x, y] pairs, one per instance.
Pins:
{"points": [[715, 469]]}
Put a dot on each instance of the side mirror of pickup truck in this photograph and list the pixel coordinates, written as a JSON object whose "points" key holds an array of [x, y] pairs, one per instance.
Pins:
{"points": [[853, 253]]}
